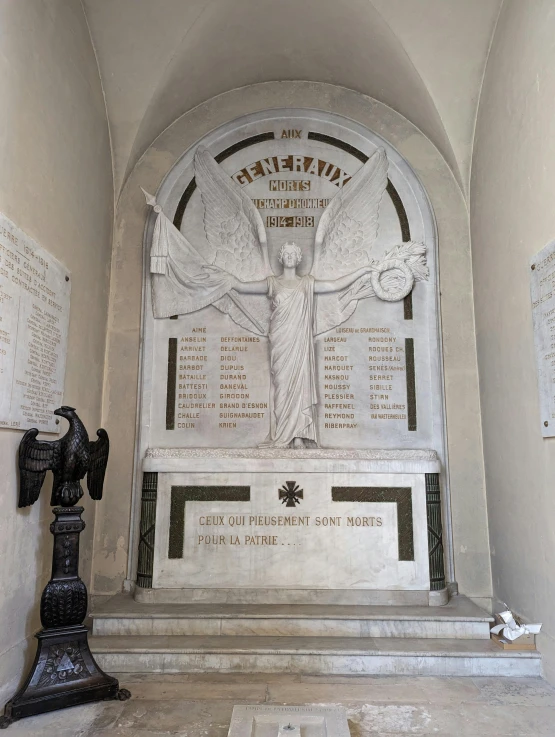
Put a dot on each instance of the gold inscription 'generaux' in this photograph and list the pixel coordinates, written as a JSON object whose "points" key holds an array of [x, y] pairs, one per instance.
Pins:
{"points": [[291, 163]]}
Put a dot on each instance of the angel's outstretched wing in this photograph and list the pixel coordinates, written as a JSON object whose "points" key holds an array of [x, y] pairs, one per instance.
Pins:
{"points": [[233, 227], [232, 223], [346, 233], [99, 450], [349, 225], [36, 457]]}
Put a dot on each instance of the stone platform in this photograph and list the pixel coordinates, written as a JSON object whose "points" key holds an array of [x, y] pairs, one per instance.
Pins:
{"points": [[451, 640], [461, 619]]}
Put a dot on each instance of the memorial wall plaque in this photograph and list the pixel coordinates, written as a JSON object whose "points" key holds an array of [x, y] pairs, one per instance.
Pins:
{"points": [[34, 316], [364, 241], [542, 293], [290, 318]]}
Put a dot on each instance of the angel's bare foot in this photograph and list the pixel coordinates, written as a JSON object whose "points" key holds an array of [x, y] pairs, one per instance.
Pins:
{"points": [[298, 444]]}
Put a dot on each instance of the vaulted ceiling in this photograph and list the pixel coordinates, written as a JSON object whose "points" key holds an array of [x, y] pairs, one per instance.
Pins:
{"points": [[160, 58]]}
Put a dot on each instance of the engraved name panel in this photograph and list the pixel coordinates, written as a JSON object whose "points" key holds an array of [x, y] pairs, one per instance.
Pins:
{"points": [[34, 316], [377, 372]]}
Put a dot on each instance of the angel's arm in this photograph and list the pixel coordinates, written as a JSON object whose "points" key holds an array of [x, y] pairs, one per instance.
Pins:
{"points": [[336, 285], [251, 287]]}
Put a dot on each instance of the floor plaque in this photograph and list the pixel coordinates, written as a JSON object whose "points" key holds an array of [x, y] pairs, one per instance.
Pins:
{"points": [[289, 721]]}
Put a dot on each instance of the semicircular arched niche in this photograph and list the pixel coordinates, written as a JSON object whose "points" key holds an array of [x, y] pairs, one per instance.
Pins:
{"points": [[466, 517]]}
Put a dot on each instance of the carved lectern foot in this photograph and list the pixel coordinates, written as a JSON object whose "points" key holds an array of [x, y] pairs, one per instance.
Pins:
{"points": [[64, 672]]}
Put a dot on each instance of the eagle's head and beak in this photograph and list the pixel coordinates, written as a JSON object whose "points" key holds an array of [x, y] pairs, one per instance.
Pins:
{"points": [[65, 411]]}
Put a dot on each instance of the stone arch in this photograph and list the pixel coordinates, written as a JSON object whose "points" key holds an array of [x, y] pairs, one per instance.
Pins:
{"points": [[469, 520]]}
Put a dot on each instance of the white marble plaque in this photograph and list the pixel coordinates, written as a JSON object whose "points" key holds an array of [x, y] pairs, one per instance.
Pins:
{"points": [[283, 529], [211, 378], [542, 293], [34, 316], [289, 721]]}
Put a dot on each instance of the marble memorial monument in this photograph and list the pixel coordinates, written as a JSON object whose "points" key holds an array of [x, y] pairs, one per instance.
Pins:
{"points": [[291, 435]]}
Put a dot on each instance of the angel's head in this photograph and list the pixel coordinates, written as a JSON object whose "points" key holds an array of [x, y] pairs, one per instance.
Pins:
{"points": [[290, 255]]}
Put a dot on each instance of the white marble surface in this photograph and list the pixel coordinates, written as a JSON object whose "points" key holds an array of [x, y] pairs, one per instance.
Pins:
{"points": [[542, 294], [34, 318], [290, 460], [289, 721], [312, 655], [324, 597], [366, 405], [334, 545], [230, 269], [123, 615]]}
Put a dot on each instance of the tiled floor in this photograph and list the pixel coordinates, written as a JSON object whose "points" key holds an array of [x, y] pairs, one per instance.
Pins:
{"points": [[201, 706]]}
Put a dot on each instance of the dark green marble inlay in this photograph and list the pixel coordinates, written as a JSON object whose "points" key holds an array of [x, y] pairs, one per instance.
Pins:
{"points": [[180, 495], [170, 389], [435, 532], [147, 530], [400, 495], [410, 376]]}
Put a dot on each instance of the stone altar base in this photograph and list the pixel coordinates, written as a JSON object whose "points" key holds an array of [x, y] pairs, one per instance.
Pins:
{"points": [[288, 721], [283, 526], [341, 598]]}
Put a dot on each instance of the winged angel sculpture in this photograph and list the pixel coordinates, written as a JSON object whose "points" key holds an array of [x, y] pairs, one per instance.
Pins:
{"points": [[289, 309]]}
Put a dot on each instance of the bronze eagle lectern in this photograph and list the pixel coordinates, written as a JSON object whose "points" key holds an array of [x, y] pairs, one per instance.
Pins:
{"points": [[69, 459], [64, 672]]}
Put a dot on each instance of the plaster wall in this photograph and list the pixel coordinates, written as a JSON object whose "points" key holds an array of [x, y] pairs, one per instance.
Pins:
{"points": [[513, 180], [56, 185], [112, 563], [159, 60]]}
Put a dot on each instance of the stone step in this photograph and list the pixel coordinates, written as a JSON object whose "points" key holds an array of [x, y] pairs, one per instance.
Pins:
{"points": [[460, 619], [311, 655]]}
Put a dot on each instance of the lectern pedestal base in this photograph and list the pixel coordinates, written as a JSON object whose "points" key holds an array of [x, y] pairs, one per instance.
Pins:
{"points": [[64, 674]]}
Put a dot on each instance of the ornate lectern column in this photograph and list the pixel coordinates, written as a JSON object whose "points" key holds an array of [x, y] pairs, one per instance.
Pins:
{"points": [[64, 672]]}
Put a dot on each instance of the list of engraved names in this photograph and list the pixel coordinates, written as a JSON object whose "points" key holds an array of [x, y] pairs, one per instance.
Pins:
{"points": [[34, 314], [219, 387]]}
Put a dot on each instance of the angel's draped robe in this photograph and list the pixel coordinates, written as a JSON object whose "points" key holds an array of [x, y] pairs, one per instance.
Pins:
{"points": [[293, 396]]}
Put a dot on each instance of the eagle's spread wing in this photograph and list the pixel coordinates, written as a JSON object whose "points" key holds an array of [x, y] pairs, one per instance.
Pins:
{"points": [[36, 457], [99, 450]]}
